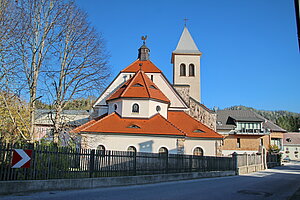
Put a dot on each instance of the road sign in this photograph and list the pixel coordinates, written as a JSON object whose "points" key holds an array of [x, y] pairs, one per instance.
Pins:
{"points": [[21, 158]]}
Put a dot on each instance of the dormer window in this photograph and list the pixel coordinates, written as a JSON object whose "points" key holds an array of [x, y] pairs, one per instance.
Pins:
{"points": [[182, 70], [135, 108], [153, 87], [191, 70], [198, 131], [133, 126], [137, 85]]}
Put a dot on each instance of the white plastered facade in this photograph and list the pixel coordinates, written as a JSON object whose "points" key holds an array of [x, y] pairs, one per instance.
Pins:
{"points": [[176, 103], [149, 144]]}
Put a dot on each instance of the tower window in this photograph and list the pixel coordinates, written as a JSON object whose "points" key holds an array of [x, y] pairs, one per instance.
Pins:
{"points": [[151, 77], [191, 70], [135, 108], [182, 70], [115, 107]]}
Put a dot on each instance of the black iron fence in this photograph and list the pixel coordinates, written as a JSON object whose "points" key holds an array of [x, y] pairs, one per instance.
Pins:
{"points": [[63, 162]]}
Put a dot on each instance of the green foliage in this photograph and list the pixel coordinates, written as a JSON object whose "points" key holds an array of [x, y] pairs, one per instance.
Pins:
{"points": [[75, 104], [274, 149], [80, 104], [14, 118], [289, 121]]}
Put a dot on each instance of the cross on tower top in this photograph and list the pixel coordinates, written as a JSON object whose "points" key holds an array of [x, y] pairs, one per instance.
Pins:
{"points": [[185, 20]]}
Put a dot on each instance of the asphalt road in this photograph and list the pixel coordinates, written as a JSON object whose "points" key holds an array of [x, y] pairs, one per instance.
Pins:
{"points": [[277, 183]]}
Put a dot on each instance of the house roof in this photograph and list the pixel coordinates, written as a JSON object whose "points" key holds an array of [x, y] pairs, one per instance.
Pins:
{"points": [[70, 117], [270, 125], [144, 65], [156, 125], [139, 86], [186, 44], [291, 138], [237, 115], [113, 123], [225, 119], [190, 126]]}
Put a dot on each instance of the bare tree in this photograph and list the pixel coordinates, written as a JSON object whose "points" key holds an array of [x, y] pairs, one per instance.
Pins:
{"points": [[8, 34], [37, 25], [82, 62]]}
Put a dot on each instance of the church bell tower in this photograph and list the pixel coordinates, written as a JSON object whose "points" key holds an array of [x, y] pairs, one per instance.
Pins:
{"points": [[186, 65]]}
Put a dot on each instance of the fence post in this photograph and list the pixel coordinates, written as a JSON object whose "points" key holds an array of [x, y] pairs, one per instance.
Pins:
{"points": [[134, 164], [235, 163], [92, 162]]}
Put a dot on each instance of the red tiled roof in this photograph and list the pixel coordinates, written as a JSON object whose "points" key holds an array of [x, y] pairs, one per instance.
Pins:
{"points": [[191, 126], [139, 86], [178, 123], [113, 123], [145, 65]]}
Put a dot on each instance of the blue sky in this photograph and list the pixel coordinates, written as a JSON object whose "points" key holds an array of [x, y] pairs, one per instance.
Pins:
{"points": [[250, 51]]}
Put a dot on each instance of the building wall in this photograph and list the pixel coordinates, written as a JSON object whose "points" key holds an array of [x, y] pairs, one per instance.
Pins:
{"points": [[208, 146], [193, 81], [291, 151], [184, 92], [150, 144], [248, 143], [202, 115]]}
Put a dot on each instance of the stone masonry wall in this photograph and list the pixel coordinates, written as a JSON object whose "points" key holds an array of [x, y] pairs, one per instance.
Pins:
{"points": [[202, 114], [197, 110], [184, 92]]}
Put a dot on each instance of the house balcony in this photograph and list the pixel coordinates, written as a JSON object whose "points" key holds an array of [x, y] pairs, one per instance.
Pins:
{"points": [[251, 132]]}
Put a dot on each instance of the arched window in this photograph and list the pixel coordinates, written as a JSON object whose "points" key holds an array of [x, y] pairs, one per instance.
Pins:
{"points": [[131, 149], [198, 151], [135, 108], [191, 70], [158, 108], [100, 148], [115, 107], [163, 152], [182, 70]]}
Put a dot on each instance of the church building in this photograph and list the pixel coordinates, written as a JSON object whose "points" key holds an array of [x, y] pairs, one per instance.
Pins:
{"points": [[142, 111]]}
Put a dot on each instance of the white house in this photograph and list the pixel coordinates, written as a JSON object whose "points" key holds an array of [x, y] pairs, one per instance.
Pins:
{"points": [[141, 111]]}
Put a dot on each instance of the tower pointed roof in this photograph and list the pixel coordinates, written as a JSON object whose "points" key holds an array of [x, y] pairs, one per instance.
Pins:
{"points": [[139, 86], [186, 44]]}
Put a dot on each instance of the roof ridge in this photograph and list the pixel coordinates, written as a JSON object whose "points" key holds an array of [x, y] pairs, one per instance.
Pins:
{"points": [[199, 122], [146, 85], [130, 82], [185, 134]]}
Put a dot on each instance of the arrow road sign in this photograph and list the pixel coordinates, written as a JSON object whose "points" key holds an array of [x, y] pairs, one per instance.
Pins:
{"points": [[21, 158]]}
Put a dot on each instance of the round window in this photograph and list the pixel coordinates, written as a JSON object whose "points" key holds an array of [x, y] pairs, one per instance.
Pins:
{"points": [[158, 108]]}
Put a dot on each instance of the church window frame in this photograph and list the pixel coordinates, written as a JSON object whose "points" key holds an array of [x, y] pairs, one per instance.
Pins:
{"points": [[182, 69], [191, 70], [198, 151], [135, 108]]}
